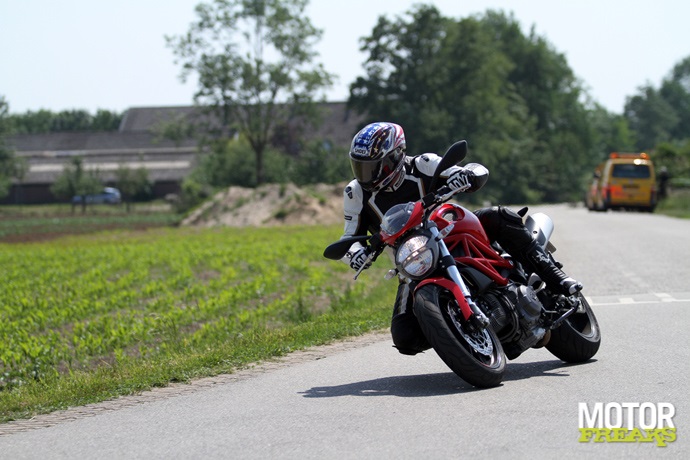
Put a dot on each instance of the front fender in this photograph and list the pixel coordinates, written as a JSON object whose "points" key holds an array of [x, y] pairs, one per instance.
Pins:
{"points": [[448, 285]]}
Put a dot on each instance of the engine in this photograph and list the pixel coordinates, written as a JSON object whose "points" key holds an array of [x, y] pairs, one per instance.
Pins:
{"points": [[514, 313]]}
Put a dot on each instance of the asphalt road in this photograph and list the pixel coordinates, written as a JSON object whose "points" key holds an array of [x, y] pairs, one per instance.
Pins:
{"points": [[368, 401]]}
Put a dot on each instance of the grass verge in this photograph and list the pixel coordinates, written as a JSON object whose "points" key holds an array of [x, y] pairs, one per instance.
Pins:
{"points": [[676, 205]]}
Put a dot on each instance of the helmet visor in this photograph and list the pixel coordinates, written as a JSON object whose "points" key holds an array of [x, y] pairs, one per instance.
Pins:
{"points": [[372, 173]]}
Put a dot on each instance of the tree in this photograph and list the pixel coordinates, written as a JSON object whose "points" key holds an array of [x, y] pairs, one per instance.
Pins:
{"points": [[21, 168], [131, 182], [513, 97], [404, 78], [75, 180], [541, 77], [45, 121], [651, 117], [610, 132], [231, 162], [676, 91], [661, 115], [255, 65], [674, 157], [7, 158], [177, 129], [320, 162], [33, 122]]}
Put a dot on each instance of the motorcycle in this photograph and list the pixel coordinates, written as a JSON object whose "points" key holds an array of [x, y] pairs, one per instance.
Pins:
{"points": [[475, 304]]}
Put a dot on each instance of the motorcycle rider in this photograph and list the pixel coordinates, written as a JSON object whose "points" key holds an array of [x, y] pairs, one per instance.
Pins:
{"points": [[386, 176]]}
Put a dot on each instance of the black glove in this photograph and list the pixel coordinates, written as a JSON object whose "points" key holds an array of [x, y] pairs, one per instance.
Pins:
{"points": [[359, 258]]}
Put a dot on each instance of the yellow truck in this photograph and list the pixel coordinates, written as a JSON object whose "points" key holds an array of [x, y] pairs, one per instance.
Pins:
{"points": [[623, 181]]}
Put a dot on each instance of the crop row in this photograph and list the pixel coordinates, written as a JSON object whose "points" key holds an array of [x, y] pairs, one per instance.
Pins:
{"points": [[76, 303]]}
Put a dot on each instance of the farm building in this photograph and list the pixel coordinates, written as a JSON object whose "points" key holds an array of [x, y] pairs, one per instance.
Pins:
{"points": [[136, 144]]}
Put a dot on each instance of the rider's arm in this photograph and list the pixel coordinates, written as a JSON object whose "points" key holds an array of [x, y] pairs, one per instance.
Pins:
{"points": [[426, 164], [353, 204], [477, 174]]}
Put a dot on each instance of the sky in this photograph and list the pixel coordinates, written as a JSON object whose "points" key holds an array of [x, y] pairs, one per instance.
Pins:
{"points": [[92, 54]]}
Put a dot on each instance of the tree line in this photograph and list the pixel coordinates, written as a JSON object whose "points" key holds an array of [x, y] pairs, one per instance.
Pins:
{"points": [[510, 94], [46, 121]]}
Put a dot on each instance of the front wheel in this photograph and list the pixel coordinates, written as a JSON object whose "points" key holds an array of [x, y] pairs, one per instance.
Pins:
{"points": [[578, 338], [473, 354]]}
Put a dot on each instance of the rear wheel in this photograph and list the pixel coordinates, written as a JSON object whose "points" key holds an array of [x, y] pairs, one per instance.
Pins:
{"points": [[473, 354], [578, 338]]}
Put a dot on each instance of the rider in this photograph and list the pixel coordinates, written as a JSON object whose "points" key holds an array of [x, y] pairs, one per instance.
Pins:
{"points": [[385, 176]]}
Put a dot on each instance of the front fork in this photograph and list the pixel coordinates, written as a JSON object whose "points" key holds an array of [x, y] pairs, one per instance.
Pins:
{"points": [[454, 283]]}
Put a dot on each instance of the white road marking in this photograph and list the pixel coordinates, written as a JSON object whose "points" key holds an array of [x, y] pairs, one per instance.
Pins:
{"points": [[652, 298]]}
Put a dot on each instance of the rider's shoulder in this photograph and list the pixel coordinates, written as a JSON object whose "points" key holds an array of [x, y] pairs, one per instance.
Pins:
{"points": [[426, 162], [353, 190]]}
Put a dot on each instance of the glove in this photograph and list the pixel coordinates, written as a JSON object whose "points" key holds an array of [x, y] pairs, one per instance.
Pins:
{"points": [[460, 180], [359, 258]]}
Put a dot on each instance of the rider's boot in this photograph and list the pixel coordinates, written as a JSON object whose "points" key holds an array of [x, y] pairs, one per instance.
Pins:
{"points": [[548, 271], [507, 228]]}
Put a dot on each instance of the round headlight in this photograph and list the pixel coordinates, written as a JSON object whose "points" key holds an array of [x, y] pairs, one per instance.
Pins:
{"points": [[415, 258]]}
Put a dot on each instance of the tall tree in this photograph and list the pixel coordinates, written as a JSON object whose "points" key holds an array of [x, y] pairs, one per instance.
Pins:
{"points": [[610, 132], [542, 78], [662, 115], [488, 109], [676, 91], [513, 97], [651, 117], [403, 79], [252, 56]]}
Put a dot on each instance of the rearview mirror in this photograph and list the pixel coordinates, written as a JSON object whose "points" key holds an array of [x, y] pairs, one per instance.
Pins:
{"points": [[454, 155]]}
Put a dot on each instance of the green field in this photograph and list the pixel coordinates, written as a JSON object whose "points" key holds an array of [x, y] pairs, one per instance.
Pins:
{"points": [[42, 222], [92, 316]]}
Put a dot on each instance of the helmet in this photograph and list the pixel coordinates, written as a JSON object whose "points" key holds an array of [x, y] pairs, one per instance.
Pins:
{"points": [[377, 156]]}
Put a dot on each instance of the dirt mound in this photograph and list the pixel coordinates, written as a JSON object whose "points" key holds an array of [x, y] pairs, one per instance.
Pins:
{"points": [[270, 205]]}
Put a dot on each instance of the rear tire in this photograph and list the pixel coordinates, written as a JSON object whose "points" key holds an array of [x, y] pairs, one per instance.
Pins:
{"points": [[578, 339], [475, 356]]}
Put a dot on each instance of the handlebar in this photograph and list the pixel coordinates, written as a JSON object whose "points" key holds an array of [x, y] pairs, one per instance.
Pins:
{"points": [[442, 195]]}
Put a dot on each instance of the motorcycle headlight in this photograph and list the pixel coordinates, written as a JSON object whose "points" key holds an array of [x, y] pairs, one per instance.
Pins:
{"points": [[416, 258]]}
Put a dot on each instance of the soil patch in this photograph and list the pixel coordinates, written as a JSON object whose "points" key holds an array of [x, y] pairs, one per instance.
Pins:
{"points": [[271, 205]]}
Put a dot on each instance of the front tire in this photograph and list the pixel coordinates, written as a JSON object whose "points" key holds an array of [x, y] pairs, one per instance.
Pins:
{"points": [[578, 339], [476, 356]]}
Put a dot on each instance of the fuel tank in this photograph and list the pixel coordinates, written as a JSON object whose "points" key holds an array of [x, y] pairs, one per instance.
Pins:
{"points": [[463, 219]]}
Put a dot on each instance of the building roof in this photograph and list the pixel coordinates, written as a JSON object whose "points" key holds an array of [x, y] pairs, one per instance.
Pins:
{"points": [[91, 143], [336, 122], [47, 154]]}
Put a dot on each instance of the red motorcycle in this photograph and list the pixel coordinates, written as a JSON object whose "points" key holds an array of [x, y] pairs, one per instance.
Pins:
{"points": [[474, 303]]}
